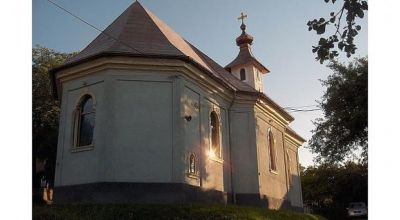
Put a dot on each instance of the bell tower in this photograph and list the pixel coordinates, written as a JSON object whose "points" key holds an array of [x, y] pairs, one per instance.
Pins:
{"points": [[245, 66]]}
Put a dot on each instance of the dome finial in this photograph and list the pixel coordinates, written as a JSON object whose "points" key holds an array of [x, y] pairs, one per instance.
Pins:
{"points": [[242, 17]]}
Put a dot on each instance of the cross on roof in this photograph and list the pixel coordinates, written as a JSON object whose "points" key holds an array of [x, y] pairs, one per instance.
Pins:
{"points": [[242, 17]]}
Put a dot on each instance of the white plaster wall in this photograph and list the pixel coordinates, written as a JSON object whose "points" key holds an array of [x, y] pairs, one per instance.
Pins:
{"points": [[192, 145], [273, 184], [251, 76], [79, 167], [140, 132], [244, 151], [198, 102], [295, 191]]}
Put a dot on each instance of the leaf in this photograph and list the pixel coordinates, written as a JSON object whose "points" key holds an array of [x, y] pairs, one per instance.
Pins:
{"points": [[344, 34], [358, 27], [332, 13], [321, 29], [341, 45], [360, 13], [364, 5]]}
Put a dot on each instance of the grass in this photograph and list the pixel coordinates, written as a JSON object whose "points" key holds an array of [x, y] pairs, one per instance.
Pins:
{"points": [[175, 212]]}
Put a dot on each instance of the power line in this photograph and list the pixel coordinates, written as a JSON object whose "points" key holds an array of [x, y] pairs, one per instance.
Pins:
{"points": [[98, 29], [298, 107], [305, 110]]}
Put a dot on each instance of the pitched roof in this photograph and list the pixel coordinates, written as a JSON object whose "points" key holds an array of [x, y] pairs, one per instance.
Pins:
{"points": [[139, 33], [244, 57]]}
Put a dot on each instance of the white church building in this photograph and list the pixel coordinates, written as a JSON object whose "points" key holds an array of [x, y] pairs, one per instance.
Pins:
{"points": [[146, 117]]}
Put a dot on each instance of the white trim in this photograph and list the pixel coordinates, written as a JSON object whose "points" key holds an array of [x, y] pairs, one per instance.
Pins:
{"points": [[76, 117]]}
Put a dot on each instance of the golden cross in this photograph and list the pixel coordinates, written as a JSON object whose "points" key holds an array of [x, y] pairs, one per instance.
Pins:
{"points": [[242, 17]]}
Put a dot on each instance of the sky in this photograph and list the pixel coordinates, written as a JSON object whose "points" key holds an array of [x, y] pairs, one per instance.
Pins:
{"points": [[282, 41]]}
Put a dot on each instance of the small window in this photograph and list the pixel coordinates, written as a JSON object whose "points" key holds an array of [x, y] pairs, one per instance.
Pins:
{"points": [[242, 74], [215, 139], [272, 154], [192, 164], [84, 122]]}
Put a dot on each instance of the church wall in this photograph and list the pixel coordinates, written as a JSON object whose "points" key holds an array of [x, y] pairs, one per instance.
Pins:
{"points": [[198, 102], [141, 141], [273, 184], [295, 192], [76, 167], [244, 152]]}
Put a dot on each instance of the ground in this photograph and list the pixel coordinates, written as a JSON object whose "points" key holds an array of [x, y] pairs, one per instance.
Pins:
{"points": [[186, 211]]}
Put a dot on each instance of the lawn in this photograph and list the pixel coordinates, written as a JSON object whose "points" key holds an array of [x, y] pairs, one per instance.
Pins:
{"points": [[186, 211]]}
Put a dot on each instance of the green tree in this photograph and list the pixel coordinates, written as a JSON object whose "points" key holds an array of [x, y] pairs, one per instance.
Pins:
{"points": [[344, 128], [343, 34], [45, 109], [328, 188]]}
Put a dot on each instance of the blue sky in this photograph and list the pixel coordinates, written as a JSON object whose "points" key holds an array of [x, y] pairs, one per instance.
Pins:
{"points": [[282, 42]]}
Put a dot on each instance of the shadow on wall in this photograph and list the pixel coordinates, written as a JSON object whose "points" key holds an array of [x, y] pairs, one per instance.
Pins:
{"points": [[292, 200]]}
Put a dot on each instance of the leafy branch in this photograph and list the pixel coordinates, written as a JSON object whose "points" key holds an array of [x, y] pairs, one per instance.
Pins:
{"points": [[343, 38]]}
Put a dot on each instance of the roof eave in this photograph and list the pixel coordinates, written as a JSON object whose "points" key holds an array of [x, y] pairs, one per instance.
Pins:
{"points": [[295, 135], [187, 59], [261, 95]]}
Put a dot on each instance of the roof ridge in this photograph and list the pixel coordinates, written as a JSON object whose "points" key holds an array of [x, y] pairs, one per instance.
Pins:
{"points": [[120, 32], [175, 39]]}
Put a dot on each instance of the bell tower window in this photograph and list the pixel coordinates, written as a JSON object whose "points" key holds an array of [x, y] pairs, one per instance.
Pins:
{"points": [[242, 74]]}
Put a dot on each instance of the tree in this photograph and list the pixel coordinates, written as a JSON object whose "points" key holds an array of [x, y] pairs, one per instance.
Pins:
{"points": [[344, 127], [343, 36], [329, 188], [45, 109]]}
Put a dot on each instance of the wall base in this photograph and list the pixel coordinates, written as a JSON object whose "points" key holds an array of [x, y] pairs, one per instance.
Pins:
{"points": [[255, 199], [120, 192], [107, 192]]}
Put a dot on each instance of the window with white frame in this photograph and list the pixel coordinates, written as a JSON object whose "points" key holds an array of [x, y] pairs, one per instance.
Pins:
{"points": [[289, 170], [272, 151], [192, 164], [215, 135], [84, 122]]}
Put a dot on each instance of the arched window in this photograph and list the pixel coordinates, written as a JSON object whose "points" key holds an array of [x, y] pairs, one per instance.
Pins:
{"points": [[192, 164], [84, 122], [289, 169], [242, 74], [215, 139], [272, 155]]}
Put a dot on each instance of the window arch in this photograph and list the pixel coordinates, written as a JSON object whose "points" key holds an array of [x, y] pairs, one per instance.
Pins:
{"points": [[84, 122], [192, 164], [242, 74], [215, 138], [272, 154]]}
